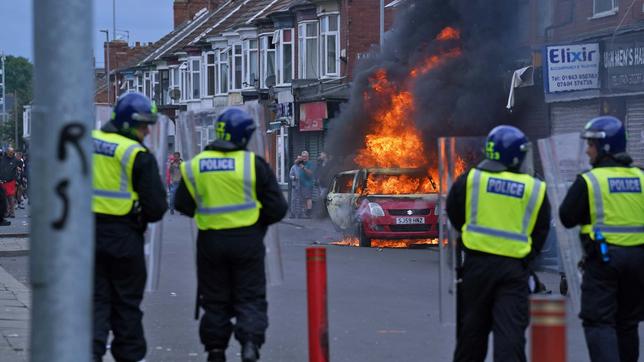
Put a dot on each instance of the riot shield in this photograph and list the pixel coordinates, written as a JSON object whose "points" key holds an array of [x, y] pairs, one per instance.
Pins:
{"points": [[563, 157], [193, 130], [455, 156], [157, 143], [273, 260]]}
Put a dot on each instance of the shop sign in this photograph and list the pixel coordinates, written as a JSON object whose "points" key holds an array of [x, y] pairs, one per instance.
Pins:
{"points": [[624, 64], [571, 67], [312, 116]]}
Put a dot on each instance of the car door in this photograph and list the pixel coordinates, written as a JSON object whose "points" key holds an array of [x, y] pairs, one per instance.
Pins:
{"points": [[339, 200]]}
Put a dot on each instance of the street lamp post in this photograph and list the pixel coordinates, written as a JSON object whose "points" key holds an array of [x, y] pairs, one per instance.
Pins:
{"points": [[107, 65], [382, 23], [4, 85]]}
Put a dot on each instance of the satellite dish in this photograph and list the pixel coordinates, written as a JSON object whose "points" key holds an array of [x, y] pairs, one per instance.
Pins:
{"points": [[270, 81], [175, 94]]}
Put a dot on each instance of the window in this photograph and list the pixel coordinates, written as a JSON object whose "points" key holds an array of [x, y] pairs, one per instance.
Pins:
{"points": [[164, 86], [266, 61], [604, 6], [330, 45], [147, 89], [175, 80], [251, 63], [235, 64], [211, 70], [139, 83], [154, 91], [284, 56], [308, 50], [184, 75], [195, 70], [221, 58]]}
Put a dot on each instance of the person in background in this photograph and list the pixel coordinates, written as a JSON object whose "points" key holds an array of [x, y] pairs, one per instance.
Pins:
{"points": [[323, 177], [20, 181], [174, 171], [294, 200], [8, 178], [307, 180]]}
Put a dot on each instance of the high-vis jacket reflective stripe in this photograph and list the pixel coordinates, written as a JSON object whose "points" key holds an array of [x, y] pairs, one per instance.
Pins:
{"points": [[223, 187], [501, 211], [113, 163], [616, 204]]}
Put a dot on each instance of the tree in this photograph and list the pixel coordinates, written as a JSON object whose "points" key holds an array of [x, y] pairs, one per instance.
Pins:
{"points": [[18, 77]]}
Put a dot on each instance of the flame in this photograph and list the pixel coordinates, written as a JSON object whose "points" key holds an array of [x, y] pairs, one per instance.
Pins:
{"points": [[394, 140], [348, 241], [448, 33]]}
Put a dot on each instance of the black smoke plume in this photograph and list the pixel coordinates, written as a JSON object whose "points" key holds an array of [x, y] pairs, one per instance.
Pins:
{"points": [[465, 96]]}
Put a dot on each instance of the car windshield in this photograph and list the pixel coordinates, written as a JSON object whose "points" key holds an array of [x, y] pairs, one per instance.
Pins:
{"points": [[399, 182]]}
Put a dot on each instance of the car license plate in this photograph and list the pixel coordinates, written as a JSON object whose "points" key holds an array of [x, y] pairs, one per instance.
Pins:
{"points": [[410, 220]]}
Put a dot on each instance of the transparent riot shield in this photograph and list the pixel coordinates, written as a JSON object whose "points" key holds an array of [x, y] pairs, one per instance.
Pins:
{"points": [[456, 155], [157, 143], [274, 267], [563, 157], [194, 129]]}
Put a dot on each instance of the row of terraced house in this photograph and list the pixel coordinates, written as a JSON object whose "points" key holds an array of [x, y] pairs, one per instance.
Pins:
{"points": [[289, 61]]}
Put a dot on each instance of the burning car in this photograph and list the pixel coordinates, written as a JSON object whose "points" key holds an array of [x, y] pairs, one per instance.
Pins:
{"points": [[384, 203]]}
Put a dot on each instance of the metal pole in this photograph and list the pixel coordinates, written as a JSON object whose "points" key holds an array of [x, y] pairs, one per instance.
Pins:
{"points": [[113, 19], [382, 23], [4, 85], [107, 65], [15, 118], [62, 234]]}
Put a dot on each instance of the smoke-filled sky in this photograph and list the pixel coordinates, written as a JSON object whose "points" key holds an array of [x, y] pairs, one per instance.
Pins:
{"points": [[464, 96]]}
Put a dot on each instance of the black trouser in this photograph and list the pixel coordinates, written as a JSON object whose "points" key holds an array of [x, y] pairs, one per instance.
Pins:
{"points": [[612, 301], [119, 282], [232, 284], [494, 298]]}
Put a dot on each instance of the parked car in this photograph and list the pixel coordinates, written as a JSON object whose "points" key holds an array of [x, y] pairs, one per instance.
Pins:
{"points": [[402, 213]]}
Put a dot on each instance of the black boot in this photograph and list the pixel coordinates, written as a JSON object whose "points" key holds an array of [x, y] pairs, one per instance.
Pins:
{"points": [[250, 352], [217, 355]]}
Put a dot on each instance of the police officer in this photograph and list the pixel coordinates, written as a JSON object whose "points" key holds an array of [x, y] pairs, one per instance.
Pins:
{"points": [[233, 195], [128, 194], [608, 203], [504, 218]]}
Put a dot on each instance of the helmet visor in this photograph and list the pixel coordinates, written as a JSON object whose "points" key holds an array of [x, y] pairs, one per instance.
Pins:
{"points": [[593, 135], [147, 117]]}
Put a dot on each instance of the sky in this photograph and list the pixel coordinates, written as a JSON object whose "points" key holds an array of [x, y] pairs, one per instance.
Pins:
{"points": [[145, 20]]}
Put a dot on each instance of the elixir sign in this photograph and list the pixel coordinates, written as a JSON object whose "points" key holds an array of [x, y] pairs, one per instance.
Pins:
{"points": [[572, 67]]}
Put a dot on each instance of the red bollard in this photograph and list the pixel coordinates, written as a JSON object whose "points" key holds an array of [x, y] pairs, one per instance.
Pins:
{"points": [[316, 287], [548, 314]]}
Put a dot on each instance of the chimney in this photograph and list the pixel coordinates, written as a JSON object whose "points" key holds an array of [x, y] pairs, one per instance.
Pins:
{"points": [[185, 10]]}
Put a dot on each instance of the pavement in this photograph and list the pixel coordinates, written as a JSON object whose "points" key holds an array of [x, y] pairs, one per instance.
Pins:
{"points": [[382, 303], [15, 297]]}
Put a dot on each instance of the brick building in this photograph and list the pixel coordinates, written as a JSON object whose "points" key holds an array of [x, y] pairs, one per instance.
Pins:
{"points": [[588, 59], [290, 62]]}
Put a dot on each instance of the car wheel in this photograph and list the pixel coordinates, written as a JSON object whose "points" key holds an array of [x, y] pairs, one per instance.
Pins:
{"points": [[365, 242]]}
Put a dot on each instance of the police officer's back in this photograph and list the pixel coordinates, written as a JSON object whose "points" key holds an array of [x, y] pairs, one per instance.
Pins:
{"points": [[504, 218], [128, 194], [608, 203], [233, 195]]}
